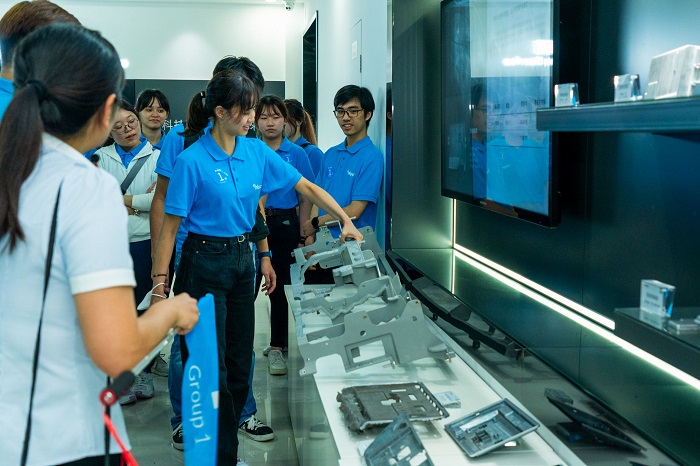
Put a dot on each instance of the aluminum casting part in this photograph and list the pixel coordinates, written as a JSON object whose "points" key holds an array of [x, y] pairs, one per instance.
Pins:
{"points": [[397, 444]]}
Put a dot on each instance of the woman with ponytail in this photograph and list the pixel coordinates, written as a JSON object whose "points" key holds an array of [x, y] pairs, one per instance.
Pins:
{"points": [[300, 130], [216, 184], [67, 310]]}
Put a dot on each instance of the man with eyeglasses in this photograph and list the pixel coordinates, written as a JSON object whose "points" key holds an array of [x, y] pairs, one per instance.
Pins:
{"points": [[352, 171]]}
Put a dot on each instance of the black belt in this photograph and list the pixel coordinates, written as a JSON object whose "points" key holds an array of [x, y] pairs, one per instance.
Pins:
{"points": [[280, 212], [218, 239]]}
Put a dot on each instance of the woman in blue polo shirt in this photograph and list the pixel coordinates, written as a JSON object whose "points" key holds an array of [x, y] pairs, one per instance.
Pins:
{"points": [[300, 130], [216, 184], [153, 109], [271, 117]]}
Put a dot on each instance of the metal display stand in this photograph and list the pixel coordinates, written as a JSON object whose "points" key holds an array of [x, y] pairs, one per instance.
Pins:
{"points": [[397, 325]]}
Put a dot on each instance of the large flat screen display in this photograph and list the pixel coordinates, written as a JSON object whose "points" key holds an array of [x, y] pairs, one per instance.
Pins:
{"points": [[497, 60]]}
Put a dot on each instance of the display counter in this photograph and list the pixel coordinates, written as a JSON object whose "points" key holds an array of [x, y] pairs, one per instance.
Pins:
{"points": [[321, 433]]}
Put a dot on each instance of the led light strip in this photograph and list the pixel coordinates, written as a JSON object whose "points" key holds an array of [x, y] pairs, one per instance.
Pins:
{"points": [[579, 319], [589, 313]]}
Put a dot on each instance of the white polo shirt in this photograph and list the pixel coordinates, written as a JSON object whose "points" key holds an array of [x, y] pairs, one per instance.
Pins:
{"points": [[91, 253]]}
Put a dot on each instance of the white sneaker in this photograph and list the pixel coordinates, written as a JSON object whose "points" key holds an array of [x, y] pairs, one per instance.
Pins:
{"points": [[267, 350], [275, 363]]}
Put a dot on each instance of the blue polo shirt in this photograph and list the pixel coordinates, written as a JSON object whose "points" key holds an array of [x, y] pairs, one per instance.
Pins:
{"points": [[171, 146], [219, 193], [353, 174], [313, 152], [297, 158], [6, 91], [159, 144], [127, 157]]}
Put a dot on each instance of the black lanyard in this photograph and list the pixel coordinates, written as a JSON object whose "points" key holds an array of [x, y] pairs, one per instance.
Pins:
{"points": [[35, 364]]}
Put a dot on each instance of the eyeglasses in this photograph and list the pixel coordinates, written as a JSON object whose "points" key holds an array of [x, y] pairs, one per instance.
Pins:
{"points": [[130, 123], [341, 112]]}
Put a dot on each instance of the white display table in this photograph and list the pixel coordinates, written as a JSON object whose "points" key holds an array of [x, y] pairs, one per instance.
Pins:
{"points": [[320, 430]]}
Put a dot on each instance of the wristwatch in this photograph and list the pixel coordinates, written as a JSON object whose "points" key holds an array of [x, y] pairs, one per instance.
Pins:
{"points": [[265, 254], [314, 223]]}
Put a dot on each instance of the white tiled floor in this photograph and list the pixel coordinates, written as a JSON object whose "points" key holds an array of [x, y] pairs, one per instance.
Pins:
{"points": [[148, 422]]}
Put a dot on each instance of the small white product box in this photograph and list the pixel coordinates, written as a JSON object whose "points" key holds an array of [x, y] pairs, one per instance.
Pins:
{"points": [[657, 297]]}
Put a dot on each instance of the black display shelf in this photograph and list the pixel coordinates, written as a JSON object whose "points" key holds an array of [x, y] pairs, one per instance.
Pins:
{"points": [[681, 351], [680, 115]]}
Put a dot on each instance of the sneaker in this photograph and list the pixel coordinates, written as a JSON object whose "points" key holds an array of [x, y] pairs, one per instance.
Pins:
{"points": [[160, 366], [129, 397], [240, 462], [178, 443], [267, 350], [256, 429], [275, 363], [143, 387]]}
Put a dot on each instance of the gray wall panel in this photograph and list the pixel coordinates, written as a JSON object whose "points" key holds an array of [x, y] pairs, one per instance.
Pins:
{"points": [[421, 217]]}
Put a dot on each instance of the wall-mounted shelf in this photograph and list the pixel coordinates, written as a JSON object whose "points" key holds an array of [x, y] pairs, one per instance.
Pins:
{"points": [[681, 351], [653, 116]]}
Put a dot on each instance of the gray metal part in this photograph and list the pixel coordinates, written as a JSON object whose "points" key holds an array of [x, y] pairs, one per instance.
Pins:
{"points": [[367, 406], [390, 446], [329, 253], [388, 288], [356, 266], [404, 337]]}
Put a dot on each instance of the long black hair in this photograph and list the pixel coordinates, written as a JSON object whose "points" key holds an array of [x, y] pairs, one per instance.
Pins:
{"points": [[228, 89], [63, 73]]}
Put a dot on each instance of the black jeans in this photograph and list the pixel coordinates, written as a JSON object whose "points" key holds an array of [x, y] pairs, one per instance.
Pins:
{"points": [[283, 239], [224, 268]]}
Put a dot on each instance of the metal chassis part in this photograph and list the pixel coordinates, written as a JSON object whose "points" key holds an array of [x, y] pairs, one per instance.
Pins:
{"points": [[389, 289], [366, 406], [397, 444], [399, 327]]}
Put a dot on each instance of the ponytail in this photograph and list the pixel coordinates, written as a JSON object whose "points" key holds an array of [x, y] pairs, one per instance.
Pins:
{"points": [[298, 116], [22, 117], [307, 129], [197, 115]]}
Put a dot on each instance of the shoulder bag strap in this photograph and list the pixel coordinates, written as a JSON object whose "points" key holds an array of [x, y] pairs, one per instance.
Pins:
{"points": [[133, 172], [35, 364]]}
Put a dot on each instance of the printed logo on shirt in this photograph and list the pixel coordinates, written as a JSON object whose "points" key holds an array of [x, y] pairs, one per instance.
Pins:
{"points": [[257, 187], [222, 175], [287, 159], [329, 172], [350, 173]]}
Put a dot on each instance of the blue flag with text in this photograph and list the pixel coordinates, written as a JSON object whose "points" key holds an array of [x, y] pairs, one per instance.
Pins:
{"points": [[200, 389]]}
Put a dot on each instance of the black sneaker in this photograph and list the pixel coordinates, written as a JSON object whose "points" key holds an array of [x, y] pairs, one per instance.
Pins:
{"points": [[256, 429], [177, 438]]}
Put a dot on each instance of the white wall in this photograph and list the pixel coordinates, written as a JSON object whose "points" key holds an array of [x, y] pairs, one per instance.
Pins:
{"points": [[336, 18], [184, 40]]}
